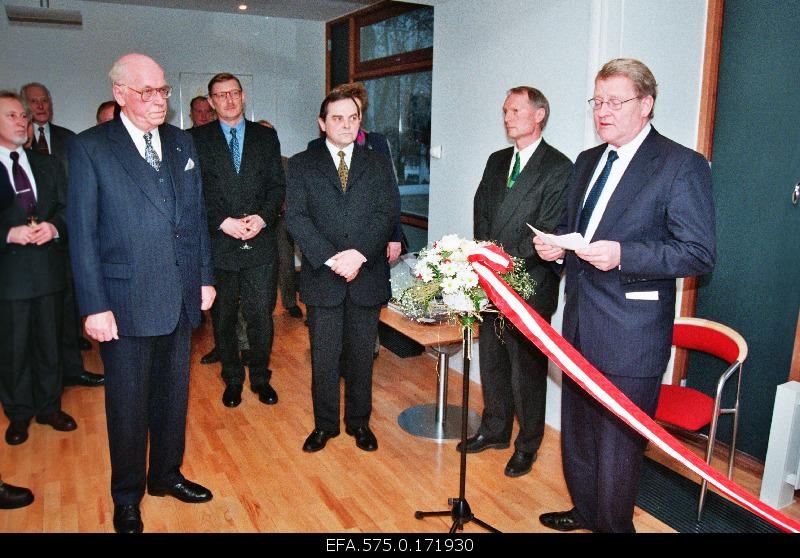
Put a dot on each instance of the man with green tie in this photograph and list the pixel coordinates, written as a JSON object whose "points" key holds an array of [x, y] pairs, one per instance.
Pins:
{"points": [[521, 184]]}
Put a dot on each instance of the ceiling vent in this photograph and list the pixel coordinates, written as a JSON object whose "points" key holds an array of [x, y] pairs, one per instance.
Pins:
{"points": [[43, 16]]}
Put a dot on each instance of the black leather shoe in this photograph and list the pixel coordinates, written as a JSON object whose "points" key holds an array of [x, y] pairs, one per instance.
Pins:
{"points": [[59, 420], [477, 444], [318, 438], [185, 491], [244, 357], [295, 312], [17, 432], [520, 463], [232, 396], [365, 439], [13, 497], [266, 394], [210, 357], [86, 379], [560, 521], [128, 519], [84, 344]]}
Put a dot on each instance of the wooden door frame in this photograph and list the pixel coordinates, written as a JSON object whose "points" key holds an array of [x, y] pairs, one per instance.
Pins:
{"points": [[705, 144]]}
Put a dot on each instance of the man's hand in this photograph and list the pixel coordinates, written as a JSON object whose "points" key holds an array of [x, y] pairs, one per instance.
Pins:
{"points": [[207, 295], [21, 234], [253, 224], [237, 228], [347, 264], [603, 254], [101, 327], [547, 252], [42, 233], [393, 250]]}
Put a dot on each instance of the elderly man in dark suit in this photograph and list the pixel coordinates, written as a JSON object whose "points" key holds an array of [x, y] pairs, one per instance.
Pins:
{"points": [[140, 251], [522, 184], [644, 202], [340, 210], [32, 278], [244, 189], [48, 138]]}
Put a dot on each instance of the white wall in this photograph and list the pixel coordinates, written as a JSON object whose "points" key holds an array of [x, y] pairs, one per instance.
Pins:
{"points": [[481, 49], [286, 58]]}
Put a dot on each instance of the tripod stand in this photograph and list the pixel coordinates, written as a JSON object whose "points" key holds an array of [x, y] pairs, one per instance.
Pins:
{"points": [[460, 510]]}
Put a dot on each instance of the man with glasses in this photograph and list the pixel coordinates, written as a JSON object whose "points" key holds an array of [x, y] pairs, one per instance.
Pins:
{"points": [[140, 252], [244, 187], [644, 204]]}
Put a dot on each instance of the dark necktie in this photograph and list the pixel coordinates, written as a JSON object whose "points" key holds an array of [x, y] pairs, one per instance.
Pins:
{"points": [[22, 186], [512, 178], [343, 171], [150, 154], [594, 193], [41, 143], [236, 153]]}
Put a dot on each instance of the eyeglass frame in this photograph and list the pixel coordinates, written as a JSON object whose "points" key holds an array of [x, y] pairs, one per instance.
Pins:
{"points": [[597, 106], [234, 94], [152, 90]]}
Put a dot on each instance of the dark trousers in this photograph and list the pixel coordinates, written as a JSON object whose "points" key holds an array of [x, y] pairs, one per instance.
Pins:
{"points": [[30, 382], [254, 291], [287, 276], [514, 381], [345, 332], [146, 389], [71, 330], [602, 455]]}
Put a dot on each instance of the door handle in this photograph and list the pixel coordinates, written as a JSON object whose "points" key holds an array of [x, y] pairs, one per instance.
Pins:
{"points": [[796, 194]]}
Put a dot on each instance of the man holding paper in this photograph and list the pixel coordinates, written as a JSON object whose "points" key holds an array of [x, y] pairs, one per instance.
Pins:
{"points": [[644, 204], [522, 184]]}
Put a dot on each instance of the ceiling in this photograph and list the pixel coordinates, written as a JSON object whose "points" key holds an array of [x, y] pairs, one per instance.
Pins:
{"points": [[316, 10]]}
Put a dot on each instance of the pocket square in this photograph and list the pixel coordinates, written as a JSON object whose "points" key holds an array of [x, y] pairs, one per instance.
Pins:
{"points": [[189, 165], [642, 295]]}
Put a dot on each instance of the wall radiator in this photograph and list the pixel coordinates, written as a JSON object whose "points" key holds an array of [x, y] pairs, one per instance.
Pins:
{"points": [[782, 467]]}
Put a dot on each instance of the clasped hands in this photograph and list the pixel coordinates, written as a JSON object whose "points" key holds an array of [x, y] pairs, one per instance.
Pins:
{"points": [[243, 228], [602, 254], [40, 233], [347, 264]]}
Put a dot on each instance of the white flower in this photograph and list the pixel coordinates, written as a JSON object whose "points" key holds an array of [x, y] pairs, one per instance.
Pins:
{"points": [[468, 278], [449, 243], [450, 285], [449, 268]]}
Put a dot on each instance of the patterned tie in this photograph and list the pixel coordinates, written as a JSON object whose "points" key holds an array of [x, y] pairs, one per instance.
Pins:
{"points": [[150, 154], [594, 194], [343, 171], [236, 153], [41, 143], [512, 178], [22, 186]]}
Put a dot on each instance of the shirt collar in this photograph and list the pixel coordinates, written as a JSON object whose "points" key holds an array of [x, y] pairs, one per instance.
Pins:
{"points": [[226, 128]]}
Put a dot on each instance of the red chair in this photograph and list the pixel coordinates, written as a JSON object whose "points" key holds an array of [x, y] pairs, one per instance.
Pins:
{"points": [[684, 410]]}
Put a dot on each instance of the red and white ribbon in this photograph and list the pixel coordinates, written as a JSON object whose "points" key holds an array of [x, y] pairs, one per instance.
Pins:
{"points": [[488, 261]]}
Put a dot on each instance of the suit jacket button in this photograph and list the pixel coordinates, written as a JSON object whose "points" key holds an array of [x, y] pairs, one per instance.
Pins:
{"points": [[177, 235]]}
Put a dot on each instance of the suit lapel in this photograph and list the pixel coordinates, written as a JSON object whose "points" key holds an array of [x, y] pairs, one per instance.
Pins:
{"points": [[175, 161], [44, 183], [358, 164], [327, 168], [526, 181], [223, 152], [635, 178], [135, 166], [584, 179]]}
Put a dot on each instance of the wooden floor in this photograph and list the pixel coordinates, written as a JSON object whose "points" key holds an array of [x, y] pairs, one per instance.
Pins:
{"points": [[251, 458]]}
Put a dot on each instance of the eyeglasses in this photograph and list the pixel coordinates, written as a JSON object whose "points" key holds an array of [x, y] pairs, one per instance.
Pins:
{"points": [[148, 92], [235, 94], [613, 104]]}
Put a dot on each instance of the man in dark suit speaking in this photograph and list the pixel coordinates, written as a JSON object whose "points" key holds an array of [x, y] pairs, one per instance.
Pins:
{"points": [[644, 202], [244, 189], [340, 210], [521, 184], [140, 252]]}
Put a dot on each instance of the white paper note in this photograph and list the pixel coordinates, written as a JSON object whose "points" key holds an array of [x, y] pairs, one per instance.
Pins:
{"points": [[571, 241]]}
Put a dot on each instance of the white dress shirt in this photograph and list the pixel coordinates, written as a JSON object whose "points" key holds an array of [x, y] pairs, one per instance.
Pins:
{"points": [[5, 156], [137, 136], [524, 155]]}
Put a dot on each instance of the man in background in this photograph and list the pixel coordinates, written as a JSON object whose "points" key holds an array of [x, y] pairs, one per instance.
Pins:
{"points": [[645, 205], [105, 111], [51, 139], [140, 251], [201, 112], [522, 184], [244, 188]]}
